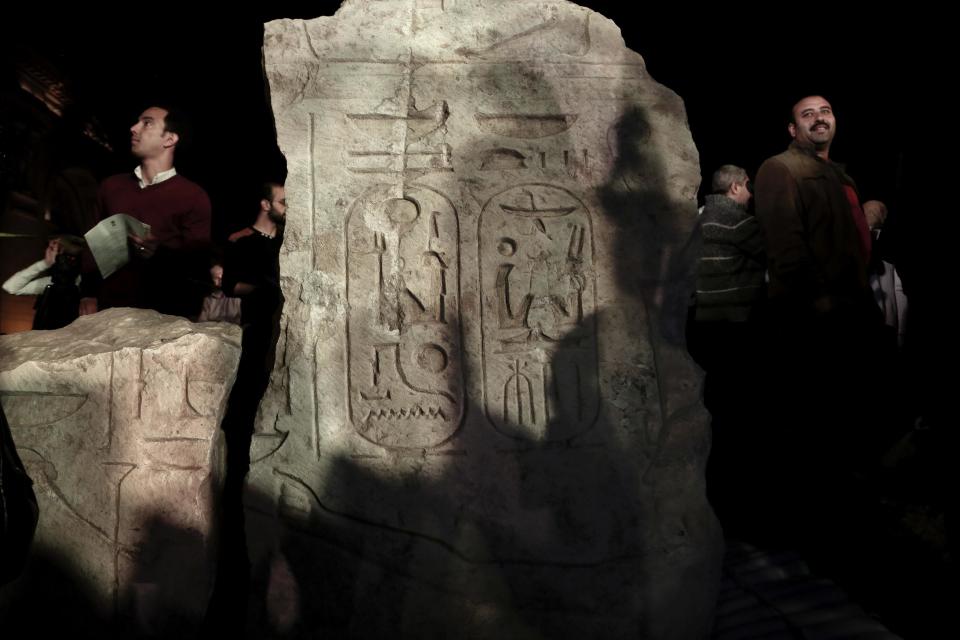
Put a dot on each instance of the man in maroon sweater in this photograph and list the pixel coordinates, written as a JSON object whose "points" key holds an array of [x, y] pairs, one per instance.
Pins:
{"points": [[160, 274]]}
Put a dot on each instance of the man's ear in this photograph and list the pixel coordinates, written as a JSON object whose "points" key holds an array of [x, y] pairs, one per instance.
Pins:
{"points": [[792, 128], [264, 204], [170, 139]]}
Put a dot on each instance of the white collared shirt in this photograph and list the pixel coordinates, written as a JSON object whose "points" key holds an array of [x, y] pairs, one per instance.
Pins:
{"points": [[157, 179]]}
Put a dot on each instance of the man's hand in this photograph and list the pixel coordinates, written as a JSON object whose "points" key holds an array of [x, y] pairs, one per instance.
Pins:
{"points": [[88, 306], [242, 289], [144, 247], [53, 249], [823, 305]]}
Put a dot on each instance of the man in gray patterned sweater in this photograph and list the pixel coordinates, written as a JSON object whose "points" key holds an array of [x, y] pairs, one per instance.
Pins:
{"points": [[730, 273], [724, 335]]}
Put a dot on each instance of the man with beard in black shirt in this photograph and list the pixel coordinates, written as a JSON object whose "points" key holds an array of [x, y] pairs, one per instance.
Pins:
{"points": [[252, 273]]}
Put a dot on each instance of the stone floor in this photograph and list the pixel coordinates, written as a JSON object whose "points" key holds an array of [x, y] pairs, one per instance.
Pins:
{"points": [[901, 582], [774, 595]]}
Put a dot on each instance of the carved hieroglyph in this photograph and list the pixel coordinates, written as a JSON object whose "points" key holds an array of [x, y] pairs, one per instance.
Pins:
{"points": [[403, 334], [539, 302], [116, 418], [482, 415]]}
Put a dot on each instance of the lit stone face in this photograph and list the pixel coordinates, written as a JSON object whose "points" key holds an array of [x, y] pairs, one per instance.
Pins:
{"points": [[482, 419], [116, 418]]}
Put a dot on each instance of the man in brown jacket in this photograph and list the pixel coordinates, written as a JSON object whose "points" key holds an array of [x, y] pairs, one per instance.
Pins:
{"points": [[822, 355], [817, 237]]}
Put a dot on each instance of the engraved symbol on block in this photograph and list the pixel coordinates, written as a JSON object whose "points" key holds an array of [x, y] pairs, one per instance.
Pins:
{"points": [[507, 247], [40, 408], [525, 125], [74, 488], [433, 5], [409, 144], [433, 358], [552, 33], [404, 382], [401, 211], [501, 159], [570, 161], [506, 316], [528, 208], [376, 392], [538, 292], [397, 395], [427, 11], [518, 403]]}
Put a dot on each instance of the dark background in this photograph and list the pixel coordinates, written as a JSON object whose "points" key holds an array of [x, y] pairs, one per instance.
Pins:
{"points": [[737, 69], [887, 71]]}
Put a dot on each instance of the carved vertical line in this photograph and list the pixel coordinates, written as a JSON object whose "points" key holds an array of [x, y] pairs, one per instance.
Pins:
{"points": [[519, 394], [286, 364], [346, 334], [546, 398], [140, 385], [109, 443], [406, 103], [506, 400], [116, 541], [316, 397], [533, 403], [311, 143], [306, 33]]}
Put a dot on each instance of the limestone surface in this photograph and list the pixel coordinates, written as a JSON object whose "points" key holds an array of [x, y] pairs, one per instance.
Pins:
{"points": [[483, 421], [116, 418]]}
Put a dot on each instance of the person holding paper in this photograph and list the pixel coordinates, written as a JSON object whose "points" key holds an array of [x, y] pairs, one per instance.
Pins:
{"points": [[54, 280], [166, 271]]}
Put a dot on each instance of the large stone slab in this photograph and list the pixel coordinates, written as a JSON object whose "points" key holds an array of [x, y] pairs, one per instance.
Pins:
{"points": [[483, 420], [117, 419]]}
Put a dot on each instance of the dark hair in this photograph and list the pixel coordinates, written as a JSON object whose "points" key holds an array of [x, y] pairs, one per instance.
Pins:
{"points": [[266, 190], [177, 121], [72, 245], [215, 256]]}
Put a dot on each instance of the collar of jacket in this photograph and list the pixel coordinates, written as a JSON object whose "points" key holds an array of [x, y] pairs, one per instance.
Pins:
{"points": [[810, 151], [723, 202]]}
